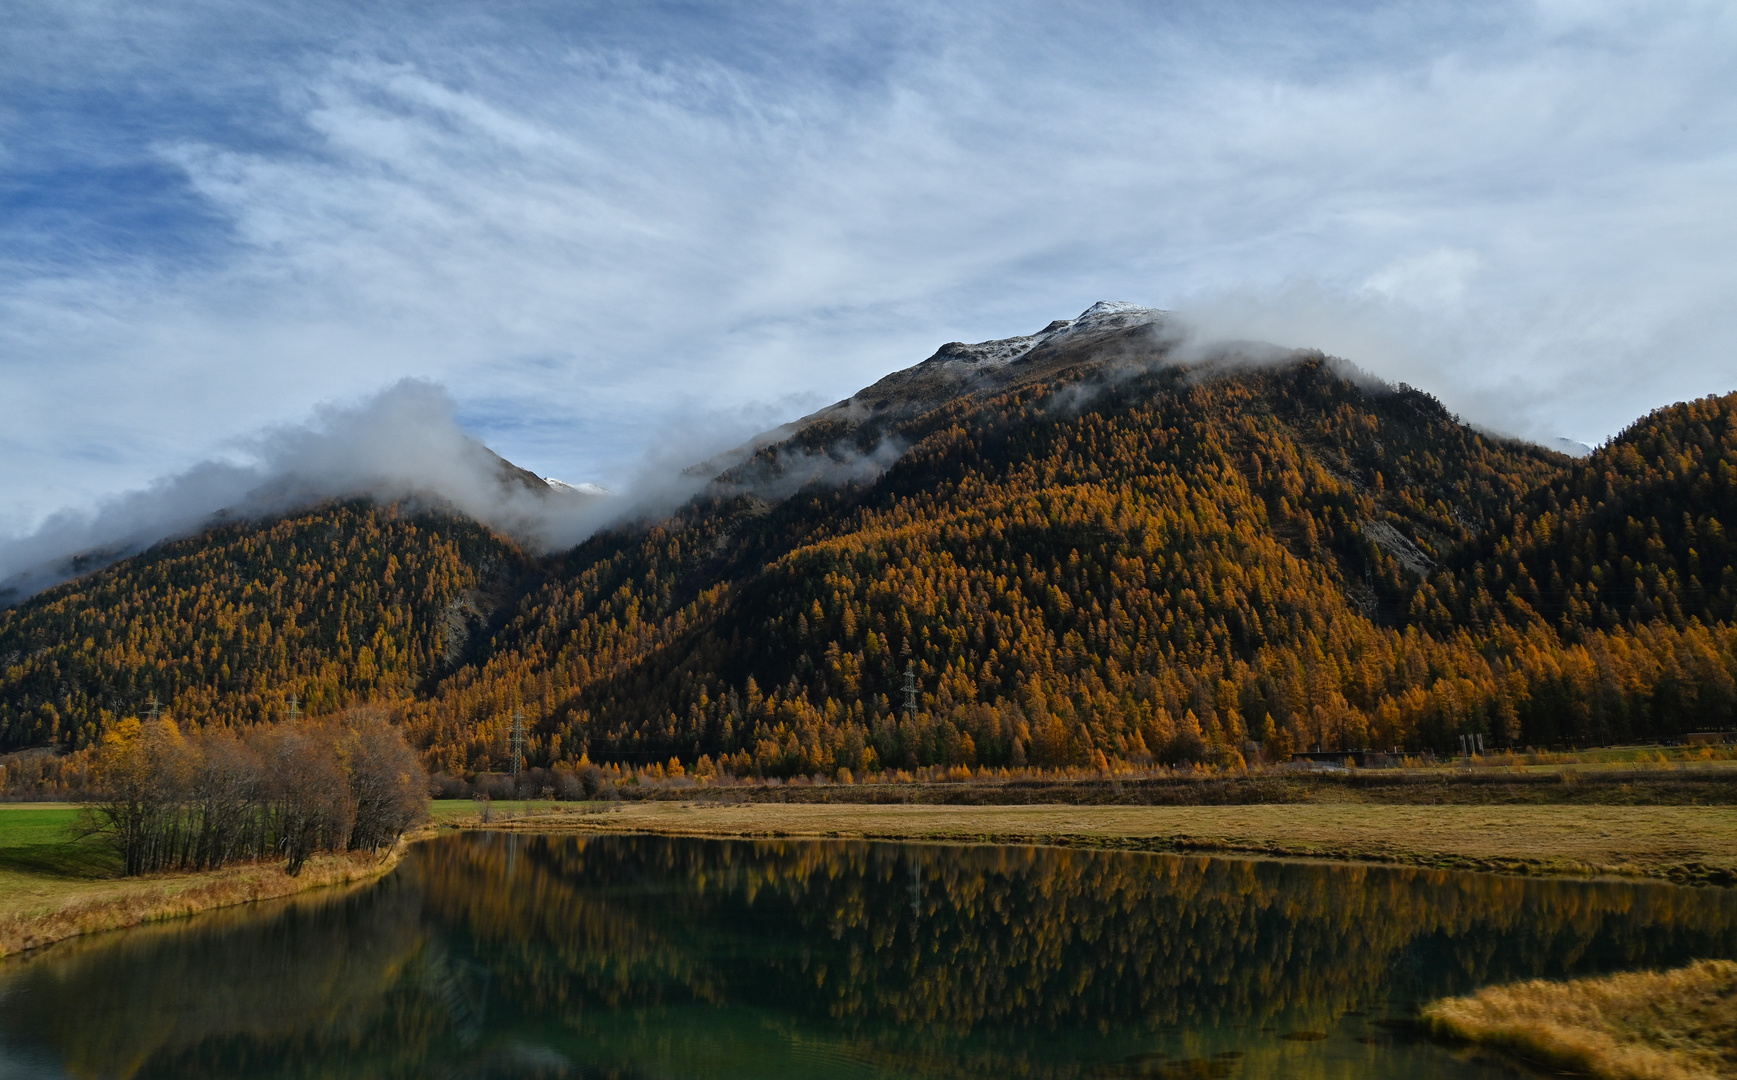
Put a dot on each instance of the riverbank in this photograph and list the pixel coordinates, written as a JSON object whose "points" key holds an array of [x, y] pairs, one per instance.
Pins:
{"points": [[54, 886], [1684, 844], [1673, 1025]]}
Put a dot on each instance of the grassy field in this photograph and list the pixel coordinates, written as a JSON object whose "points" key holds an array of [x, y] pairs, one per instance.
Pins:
{"points": [[55, 885], [43, 864], [1646, 1025], [1691, 844]]}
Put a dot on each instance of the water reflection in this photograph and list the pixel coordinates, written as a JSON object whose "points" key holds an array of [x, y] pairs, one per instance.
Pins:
{"points": [[492, 955]]}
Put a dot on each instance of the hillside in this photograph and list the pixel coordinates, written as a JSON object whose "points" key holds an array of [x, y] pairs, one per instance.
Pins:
{"points": [[343, 603], [1098, 552], [1085, 543]]}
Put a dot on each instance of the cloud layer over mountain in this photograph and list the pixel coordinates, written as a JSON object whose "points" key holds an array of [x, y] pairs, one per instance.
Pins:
{"points": [[402, 444], [595, 221]]}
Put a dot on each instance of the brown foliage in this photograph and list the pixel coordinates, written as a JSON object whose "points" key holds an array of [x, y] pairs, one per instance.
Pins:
{"points": [[1647, 1025], [169, 800], [1169, 566]]}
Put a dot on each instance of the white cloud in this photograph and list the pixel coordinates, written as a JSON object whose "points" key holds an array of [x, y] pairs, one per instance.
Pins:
{"points": [[1434, 280], [400, 444], [594, 235]]}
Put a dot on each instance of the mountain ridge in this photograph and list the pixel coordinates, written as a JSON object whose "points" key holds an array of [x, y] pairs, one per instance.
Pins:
{"points": [[1092, 543]]}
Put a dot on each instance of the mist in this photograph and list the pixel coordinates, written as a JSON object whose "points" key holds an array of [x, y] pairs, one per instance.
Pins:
{"points": [[1478, 369], [404, 444]]}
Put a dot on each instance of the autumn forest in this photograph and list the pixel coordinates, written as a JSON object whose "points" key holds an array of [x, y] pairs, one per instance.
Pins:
{"points": [[1103, 555]]}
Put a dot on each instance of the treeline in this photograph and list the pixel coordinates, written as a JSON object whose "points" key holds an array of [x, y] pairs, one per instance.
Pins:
{"points": [[202, 799]]}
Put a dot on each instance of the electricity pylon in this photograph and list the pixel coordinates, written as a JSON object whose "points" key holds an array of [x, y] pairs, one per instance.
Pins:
{"points": [[518, 745]]}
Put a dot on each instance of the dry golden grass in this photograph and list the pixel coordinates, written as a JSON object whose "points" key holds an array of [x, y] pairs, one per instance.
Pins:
{"points": [[1674, 1025], [1680, 842], [90, 907]]}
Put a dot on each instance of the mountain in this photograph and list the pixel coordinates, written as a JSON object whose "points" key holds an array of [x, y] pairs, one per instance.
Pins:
{"points": [[401, 447], [1090, 542], [1089, 548], [341, 603]]}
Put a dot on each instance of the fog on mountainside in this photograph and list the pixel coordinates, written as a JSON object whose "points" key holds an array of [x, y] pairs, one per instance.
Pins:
{"points": [[403, 444]]}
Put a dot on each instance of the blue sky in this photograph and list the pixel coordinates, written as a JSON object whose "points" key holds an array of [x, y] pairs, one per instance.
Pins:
{"points": [[612, 230]]}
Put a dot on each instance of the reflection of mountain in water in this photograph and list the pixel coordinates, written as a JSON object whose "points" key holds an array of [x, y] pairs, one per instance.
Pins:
{"points": [[528, 956]]}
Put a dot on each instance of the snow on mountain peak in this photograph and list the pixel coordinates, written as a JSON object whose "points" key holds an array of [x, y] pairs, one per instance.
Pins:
{"points": [[565, 488], [1113, 315], [1103, 315], [1112, 307]]}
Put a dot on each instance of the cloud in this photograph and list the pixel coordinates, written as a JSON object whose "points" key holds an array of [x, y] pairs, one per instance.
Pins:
{"points": [[781, 473], [591, 221], [403, 445]]}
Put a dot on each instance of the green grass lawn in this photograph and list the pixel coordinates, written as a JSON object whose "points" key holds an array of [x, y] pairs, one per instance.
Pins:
{"points": [[44, 860], [44, 840], [444, 810]]}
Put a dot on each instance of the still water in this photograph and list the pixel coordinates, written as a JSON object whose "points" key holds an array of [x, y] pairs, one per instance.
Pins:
{"points": [[561, 956]]}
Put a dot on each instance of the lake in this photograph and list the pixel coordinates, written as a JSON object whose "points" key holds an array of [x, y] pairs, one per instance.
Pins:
{"points": [[495, 955]]}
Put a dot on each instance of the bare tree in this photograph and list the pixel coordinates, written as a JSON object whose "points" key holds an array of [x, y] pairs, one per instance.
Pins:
{"points": [[227, 795], [308, 795], [388, 785], [202, 801], [141, 774]]}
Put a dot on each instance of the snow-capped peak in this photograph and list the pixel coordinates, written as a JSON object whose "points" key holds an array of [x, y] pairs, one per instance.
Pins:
{"points": [[1103, 315], [1113, 315], [576, 489], [1113, 307]]}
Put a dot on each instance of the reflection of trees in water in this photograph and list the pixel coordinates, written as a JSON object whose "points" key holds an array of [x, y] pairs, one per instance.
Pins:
{"points": [[940, 960], [1035, 936], [231, 979]]}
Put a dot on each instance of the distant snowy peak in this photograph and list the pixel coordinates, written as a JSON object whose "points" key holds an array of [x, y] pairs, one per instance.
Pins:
{"points": [[1102, 316], [565, 488], [1114, 315], [1569, 447]]}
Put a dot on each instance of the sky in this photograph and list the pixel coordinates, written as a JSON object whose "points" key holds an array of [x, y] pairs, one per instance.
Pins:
{"points": [[609, 233]]}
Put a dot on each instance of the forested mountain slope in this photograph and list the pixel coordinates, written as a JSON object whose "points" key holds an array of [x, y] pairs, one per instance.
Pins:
{"points": [[339, 604], [1084, 543], [1098, 556], [1633, 534]]}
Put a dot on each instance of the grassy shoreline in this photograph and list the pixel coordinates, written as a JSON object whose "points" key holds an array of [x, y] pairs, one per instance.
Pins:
{"points": [[1682, 844], [54, 887], [1644, 1025]]}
